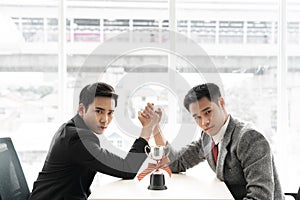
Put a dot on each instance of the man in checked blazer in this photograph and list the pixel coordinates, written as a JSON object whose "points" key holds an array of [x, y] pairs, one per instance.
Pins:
{"points": [[245, 162]]}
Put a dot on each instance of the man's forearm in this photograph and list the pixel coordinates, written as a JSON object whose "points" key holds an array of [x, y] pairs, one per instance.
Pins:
{"points": [[158, 137], [146, 133]]}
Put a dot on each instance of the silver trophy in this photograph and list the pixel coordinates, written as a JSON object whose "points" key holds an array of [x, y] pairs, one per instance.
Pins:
{"points": [[157, 179]]}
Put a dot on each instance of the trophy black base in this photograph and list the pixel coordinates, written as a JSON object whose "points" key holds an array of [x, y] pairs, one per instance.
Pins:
{"points": [[157, 182]]}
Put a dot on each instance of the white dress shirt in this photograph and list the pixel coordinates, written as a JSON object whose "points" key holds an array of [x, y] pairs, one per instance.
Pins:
{"points": [[220, 135]]}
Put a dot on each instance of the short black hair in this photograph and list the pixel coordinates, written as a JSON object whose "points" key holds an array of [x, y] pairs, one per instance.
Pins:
{"points": [[99, 89], [209, 90]]}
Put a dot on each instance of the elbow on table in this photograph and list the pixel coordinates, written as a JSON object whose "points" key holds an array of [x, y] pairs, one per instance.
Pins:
{"points": [[129, 176]]}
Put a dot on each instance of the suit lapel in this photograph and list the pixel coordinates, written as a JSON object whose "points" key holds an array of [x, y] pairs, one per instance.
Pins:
{"points": [[223, 151]]}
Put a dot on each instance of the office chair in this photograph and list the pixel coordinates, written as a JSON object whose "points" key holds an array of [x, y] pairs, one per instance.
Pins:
{"points": [[13, 185], [295, 195]]}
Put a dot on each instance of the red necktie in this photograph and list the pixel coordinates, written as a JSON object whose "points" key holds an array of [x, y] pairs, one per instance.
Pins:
{"points": [[215, 151]]}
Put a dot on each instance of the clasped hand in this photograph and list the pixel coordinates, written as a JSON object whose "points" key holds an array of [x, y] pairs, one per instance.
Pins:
{"points": [[149, 119]]}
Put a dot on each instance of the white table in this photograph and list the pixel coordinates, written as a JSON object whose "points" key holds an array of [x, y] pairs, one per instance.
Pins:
{"points": [[197, 183]]}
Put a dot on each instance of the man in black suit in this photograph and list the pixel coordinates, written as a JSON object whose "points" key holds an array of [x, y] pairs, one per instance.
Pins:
{"points": [[75, 154]]}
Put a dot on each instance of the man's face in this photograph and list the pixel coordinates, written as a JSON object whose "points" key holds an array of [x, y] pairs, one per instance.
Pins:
{"points": [[99, 114], [208, 115]]}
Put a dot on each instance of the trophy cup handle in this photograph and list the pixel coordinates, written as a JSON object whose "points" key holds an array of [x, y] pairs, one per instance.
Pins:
{"points": [[166, 151], [145, 149]]}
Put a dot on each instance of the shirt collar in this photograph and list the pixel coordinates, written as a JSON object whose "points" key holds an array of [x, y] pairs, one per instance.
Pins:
{"points": [[220, 135], [79, 124]]}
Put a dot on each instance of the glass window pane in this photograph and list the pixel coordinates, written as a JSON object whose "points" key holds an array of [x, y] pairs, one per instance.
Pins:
{"points": [[100, 22], [241, 40], [29, 79], [292, 135]]}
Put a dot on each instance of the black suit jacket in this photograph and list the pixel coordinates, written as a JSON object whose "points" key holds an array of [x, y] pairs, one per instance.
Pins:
{"points": [[74, 157]]}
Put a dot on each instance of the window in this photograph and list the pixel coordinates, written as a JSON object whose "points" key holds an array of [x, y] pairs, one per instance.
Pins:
{"points": [[231, 31], [86, 30], [259, 32], [289, 149], [203, 31], [115, 27], [29, 79]]}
